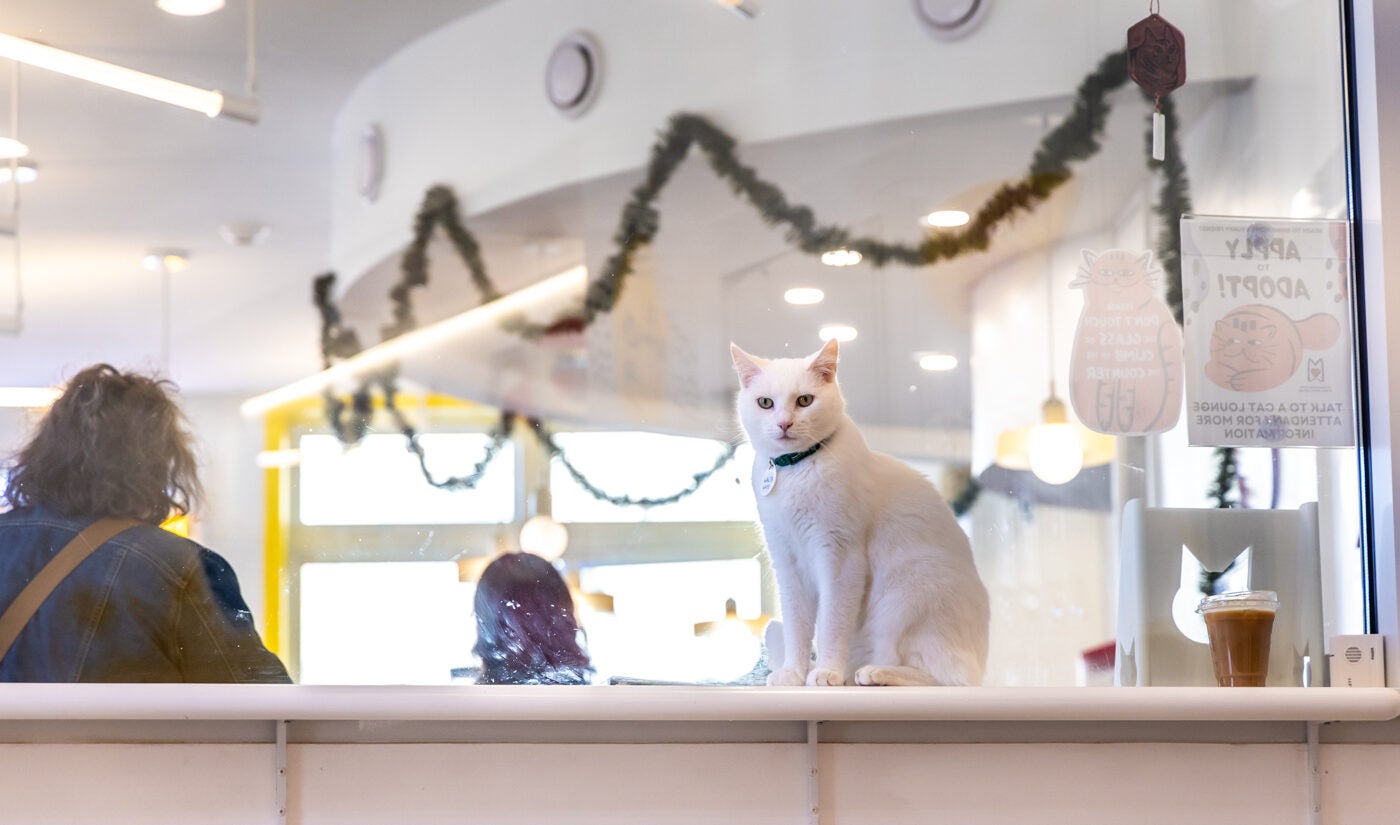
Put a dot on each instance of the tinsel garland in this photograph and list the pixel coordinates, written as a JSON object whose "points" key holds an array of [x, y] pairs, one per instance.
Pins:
{"points": [[1075, 139], [501, 434]]}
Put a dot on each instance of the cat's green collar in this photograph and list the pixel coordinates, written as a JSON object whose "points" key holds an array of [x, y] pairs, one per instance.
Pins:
{"points": [[789, 459]]}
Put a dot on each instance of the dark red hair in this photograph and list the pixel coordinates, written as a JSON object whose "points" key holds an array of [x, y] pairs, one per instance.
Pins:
{"points": [[526, 632], [114, 444]]}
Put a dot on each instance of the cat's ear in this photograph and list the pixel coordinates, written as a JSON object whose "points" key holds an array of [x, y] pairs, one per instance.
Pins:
{"points": [[748, 366], [824, 362]]}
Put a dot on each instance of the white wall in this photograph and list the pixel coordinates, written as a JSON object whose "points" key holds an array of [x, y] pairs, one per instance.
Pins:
{"points": [[456, 108], [231, 519], [413, 784]]}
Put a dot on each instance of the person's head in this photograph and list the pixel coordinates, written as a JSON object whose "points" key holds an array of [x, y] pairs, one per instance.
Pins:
{"points": [[113, 444], [526, 632]]}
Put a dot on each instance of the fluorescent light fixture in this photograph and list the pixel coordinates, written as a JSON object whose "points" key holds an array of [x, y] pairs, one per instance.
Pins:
{"points": [[804, 295], [11, 148], [841, 332], [841, 257], [938, 361], [381, 355], [26, 171], [211, 103], [189, 8], [946, 218], [28, 397]]}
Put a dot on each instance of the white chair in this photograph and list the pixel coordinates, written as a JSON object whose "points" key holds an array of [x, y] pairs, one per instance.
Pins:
{"points": [[1158, 590]]}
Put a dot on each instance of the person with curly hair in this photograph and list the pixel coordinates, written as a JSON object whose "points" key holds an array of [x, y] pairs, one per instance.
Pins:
{"points": [[108, 463]]}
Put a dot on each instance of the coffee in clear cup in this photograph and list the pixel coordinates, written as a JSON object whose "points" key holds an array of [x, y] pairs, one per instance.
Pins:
{"points": [[1240, 626]]}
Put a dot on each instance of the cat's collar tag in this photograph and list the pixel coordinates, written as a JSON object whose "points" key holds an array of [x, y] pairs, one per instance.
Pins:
{"points": [[769, 480]]}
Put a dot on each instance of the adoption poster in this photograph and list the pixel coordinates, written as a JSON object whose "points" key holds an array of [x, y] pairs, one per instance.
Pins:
{"points": [[1268, 332]]}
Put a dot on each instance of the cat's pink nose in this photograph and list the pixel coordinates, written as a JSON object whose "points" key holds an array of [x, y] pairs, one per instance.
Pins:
{"points": [[783, 425]]}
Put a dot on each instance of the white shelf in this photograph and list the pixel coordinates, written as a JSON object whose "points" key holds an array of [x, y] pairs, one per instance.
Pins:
{"points": [[675, 703]]}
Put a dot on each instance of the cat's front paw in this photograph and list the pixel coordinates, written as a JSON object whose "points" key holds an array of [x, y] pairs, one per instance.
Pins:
{"points": [[787, 677], [825, 677]]}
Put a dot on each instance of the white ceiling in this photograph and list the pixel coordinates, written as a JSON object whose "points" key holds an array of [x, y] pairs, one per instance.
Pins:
{"points": [[120, 175]]}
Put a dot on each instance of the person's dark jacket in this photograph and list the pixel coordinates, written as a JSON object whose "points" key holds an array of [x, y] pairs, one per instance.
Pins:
{"points": [[147, 606]]}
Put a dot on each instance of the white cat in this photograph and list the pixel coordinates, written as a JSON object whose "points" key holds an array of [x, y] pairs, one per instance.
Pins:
{"points": [[865, 550]]}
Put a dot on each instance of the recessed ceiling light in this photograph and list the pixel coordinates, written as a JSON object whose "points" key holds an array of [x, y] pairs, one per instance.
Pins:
{"points": [[26, 171], [803, 295], [841, 257], [946, 218], [937, 361], [189, 8], [11, 148], [841, 332]]}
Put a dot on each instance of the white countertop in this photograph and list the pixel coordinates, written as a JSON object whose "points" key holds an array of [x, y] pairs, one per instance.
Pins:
{"points": [[684, 703]]}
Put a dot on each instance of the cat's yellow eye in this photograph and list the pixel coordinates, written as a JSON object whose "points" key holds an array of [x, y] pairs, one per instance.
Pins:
{"points": [[766, 403], [805, 400]]}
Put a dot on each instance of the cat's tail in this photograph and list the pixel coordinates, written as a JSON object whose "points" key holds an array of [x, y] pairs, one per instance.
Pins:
{"points": [[942, 669], [894, 676]]}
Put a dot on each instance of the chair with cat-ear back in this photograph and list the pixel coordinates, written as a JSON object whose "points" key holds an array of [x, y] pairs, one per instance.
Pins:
{"points": [[1161, 639]]}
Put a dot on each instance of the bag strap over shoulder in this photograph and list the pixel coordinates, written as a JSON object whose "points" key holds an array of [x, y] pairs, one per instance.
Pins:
{"points": [[27, 603]]}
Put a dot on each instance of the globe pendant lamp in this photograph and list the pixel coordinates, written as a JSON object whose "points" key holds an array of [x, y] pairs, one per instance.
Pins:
{"points": [[1056, 449]]}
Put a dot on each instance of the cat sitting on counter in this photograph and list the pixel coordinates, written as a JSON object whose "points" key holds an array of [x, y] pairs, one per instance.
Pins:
{"points": [[867, 553]]}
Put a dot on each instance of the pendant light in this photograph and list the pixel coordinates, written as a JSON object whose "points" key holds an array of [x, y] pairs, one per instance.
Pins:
{"points": [[1055, 449]]}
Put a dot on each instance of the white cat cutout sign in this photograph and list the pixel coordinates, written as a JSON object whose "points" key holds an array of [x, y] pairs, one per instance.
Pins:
{"points": [[872, 568]]}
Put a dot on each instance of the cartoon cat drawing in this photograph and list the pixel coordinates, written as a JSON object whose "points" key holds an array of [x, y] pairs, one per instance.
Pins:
{"points": [[1256, 347], [1125, 371]]}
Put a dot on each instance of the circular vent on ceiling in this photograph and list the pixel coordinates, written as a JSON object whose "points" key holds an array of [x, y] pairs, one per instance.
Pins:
{"points": [[950, 18], [572, 76]]}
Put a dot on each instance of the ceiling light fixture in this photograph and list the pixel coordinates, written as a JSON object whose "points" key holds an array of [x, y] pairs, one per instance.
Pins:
{"points": [[26, 171], [570, 282], [248, 233], [937, 361], [11, 148], [804, 295], [189, 8], [173, 261], [841, 257], [945, 218], [1056, 449], [841, 332], [211, 102]]}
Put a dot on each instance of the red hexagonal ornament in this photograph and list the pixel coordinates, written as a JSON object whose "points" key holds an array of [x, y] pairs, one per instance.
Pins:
{"points": [[1157, 63]]}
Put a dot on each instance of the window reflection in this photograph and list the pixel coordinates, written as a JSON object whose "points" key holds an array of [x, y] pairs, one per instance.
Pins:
{"points": [[640, 397]]}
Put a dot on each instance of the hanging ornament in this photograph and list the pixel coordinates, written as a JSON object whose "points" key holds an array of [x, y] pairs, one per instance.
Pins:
{"points": [[1157, 63]]}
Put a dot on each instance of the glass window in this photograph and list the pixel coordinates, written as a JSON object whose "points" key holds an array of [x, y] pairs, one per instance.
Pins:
{"points": [[379, 481], [377, 623], [650, 465], [677, 621], [1121, 347]]}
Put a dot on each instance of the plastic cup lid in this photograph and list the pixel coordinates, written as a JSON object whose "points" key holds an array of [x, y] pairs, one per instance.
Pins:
{"points": [[1240, 600]]}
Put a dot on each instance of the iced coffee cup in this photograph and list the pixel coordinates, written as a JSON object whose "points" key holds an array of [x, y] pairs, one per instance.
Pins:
{"points": [[1240, 626]]}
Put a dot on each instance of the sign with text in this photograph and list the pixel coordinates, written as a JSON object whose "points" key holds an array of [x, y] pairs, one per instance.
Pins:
{"points": [[1268, 332], [1125, 371]]}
